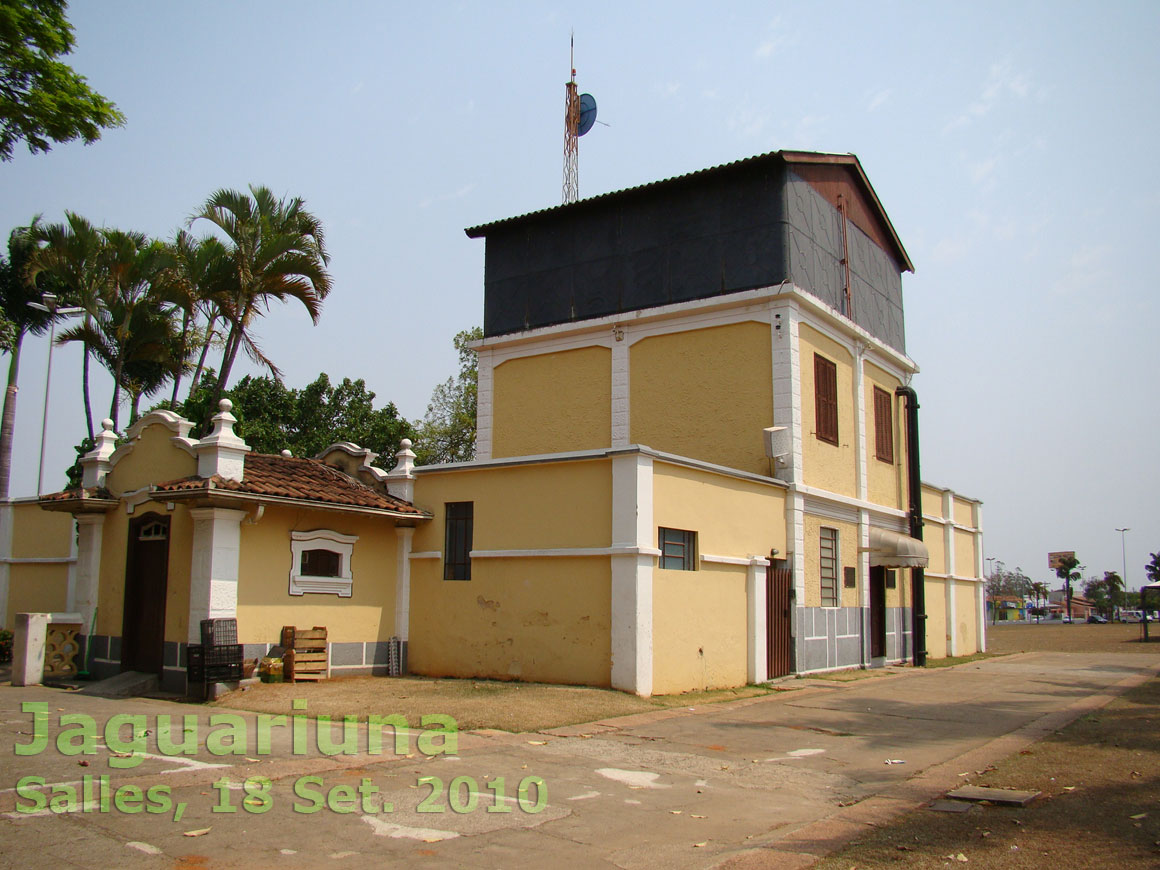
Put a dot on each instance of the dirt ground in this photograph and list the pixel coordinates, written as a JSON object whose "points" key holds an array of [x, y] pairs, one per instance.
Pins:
{"points": [[473, 704], [1099, 778], [1114, 637]]}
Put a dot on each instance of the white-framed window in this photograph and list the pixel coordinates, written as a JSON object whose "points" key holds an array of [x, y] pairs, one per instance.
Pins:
{"points": [[320, 562]]}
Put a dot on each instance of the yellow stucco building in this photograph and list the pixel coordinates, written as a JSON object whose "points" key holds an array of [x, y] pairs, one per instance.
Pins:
{"points": [[696, 467]]}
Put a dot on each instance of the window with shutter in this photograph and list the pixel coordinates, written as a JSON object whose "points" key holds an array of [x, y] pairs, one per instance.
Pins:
{"points": [[825, 399], [829, 566], [458, 540], [883, 425]]}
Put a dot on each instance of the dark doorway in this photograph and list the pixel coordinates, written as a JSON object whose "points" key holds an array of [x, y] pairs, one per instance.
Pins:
{"points": [[146, 579], [877, 612], [779, 647]]}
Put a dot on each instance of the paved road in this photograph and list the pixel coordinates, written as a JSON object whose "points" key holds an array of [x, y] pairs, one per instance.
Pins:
{"points": [[765, 782]]}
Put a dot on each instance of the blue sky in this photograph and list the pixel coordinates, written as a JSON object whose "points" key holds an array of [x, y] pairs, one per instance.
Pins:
{"points": [[1011, 144]]}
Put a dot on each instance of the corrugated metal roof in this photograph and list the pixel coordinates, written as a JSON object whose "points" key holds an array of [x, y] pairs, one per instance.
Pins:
{"points": [[789, 157]]}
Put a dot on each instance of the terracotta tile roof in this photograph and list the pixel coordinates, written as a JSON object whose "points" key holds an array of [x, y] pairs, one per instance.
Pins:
{"points": [[92, 492], [299, 479]]}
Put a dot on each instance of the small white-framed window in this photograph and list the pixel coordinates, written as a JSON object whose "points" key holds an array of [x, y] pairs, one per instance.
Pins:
{"points": [[320, 562]]}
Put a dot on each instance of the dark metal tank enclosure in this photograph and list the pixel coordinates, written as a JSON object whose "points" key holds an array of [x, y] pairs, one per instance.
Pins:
{"points": [[787, 216]]}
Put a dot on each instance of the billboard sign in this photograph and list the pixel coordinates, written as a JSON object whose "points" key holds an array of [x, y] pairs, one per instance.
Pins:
{"points": [[1054, 560]]}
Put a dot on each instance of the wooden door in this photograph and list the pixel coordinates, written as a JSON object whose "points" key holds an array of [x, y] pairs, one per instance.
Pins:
{"points": [[779, 646], [877, 612], [146, 581]]}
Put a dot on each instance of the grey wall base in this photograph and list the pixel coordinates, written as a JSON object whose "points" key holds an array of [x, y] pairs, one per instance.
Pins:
{"points": [[828, 638]]}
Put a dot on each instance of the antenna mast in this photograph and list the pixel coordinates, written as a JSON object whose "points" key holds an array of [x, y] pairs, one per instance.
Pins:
{"points": [[571, 130]]}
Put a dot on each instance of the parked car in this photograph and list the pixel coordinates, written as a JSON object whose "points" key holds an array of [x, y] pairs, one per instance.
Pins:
{"points": [[1097, 619], [1065, 618]]}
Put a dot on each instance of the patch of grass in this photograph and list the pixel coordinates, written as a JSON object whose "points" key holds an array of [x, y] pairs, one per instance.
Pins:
{"points": [[951, 661], [473, 704], [850, 675]]}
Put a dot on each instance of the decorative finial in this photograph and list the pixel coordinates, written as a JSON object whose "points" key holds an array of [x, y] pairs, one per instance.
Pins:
{"points": [[286, 454], [406, 444], [107, 425], [225, 405]]}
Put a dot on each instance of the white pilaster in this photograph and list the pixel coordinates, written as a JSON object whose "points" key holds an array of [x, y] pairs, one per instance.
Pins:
{"points": [[96, 463], [213, 575], [484, 403], [403, 535], [620, 389], [948, 511], [787, 386], [401, 478], [980, 602], [28, 644], [222, 452], [90, 535], [757, 617], [795, 522], [632, 574], [860, 446]]}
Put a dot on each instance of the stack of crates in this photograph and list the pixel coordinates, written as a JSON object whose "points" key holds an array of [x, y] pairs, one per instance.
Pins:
{"points": [[218, 658]]}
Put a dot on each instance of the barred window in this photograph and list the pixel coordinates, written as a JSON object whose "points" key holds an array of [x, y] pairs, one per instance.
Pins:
{"points": [[829, 567]]}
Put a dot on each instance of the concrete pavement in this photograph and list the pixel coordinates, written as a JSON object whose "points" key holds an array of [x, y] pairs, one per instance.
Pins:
{"points": [[767, 782]]}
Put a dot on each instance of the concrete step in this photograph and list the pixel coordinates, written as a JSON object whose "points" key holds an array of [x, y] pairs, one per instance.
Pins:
{"points": [[127, 684]]}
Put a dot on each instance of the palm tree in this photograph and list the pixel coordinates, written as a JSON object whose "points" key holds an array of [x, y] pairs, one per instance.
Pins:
{"points": [[71, 254], [277, 252], [125, 328], [196, 286], [1041, 591], [1114, 584], [16, 291]]}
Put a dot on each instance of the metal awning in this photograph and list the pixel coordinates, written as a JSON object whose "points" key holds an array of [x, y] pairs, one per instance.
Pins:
{"points": [[894, 550]]}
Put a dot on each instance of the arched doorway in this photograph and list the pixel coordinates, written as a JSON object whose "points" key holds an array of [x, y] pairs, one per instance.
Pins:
{"points": [[146, 581]]}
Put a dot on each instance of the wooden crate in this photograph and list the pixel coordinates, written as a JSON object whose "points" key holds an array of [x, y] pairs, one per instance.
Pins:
{"points": [[305, 657]]}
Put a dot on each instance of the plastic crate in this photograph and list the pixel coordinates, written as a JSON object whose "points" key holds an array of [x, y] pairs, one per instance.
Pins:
{"points": [[213, 664], [219, 632]]}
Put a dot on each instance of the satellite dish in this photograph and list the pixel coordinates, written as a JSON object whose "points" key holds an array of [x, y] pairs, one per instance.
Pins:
{"points": [[587, 114]]}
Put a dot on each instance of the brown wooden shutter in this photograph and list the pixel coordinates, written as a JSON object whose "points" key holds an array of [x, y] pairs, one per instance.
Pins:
{"points": [[825, 399], [883, 425]]}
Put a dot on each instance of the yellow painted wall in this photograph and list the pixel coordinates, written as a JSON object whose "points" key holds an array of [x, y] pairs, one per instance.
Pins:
{"points": [[825, 465], [932, 537], [731, 517], [153, 459], [885, 481], [932, 501], [900, 595], [539, 618], [264, 600], [536, 619], [704, 393], [555, 504], [553, 402], [38, 534], [966, 618], [699, 628], [36, 589], [964, 513], [965, 554], [847, 555], [936, 621]]}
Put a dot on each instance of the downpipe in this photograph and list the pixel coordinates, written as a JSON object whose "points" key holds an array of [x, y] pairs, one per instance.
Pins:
{"points": [[914, 485]]}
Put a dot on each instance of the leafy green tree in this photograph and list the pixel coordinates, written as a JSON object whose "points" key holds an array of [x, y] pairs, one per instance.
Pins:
{"points": [[1113, 585], [1069, 571], [277, 252], [1003, 585], [43, 100], [1041, 592], [447, 431], [273, 417], [15, 294]]}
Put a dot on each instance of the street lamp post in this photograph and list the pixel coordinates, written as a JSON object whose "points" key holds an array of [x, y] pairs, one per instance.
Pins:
{"points": [[48, 306], [1124, 556]]}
